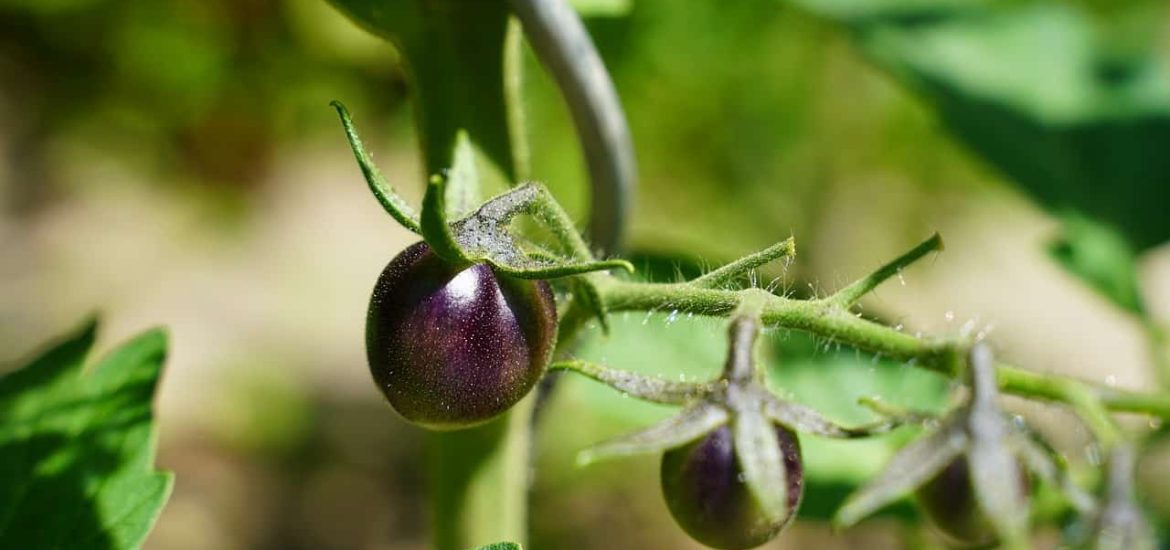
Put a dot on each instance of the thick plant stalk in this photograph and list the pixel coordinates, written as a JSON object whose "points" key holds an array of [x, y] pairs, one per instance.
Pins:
{"points": [[479, 482], [479, 477]]}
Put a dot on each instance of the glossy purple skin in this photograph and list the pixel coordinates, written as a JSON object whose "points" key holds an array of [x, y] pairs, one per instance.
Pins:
{"points": [[452, 347], [702, 486], [949, 501]]}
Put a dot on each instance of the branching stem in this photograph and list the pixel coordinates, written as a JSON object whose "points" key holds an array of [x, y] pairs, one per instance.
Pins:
{"points": [[851, 294], [828, 318]]}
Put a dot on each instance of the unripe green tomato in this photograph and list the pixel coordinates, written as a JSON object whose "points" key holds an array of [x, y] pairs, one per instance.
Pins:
{"points": [[949, 502], [451, 347], [706, 493]]}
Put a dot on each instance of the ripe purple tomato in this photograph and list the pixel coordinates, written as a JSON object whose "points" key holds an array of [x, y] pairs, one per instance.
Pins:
{"points": [[948, 500], [707, 497], [454, 347]]}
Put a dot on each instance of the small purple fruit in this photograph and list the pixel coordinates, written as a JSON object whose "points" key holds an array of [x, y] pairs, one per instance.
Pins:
{"points": [[454, 347], [707, 496], [949, 501]]}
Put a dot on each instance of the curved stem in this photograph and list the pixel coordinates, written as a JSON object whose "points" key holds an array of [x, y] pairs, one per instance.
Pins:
{"points": [[560, 41]]}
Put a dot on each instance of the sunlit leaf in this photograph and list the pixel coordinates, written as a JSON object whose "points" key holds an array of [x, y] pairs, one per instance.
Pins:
{"points": [[1080, 131], [77, 447]]}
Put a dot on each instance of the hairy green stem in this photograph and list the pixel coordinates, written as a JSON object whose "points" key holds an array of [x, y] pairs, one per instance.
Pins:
{"points": [[729, 273], [852, 293], [828, 318]]}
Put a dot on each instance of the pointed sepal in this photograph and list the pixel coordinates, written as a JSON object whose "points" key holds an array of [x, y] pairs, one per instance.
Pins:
{"points": [[1000, 496], [916, 463], [1046, 464], [435, 229], [800, 418], [757, 450], [1121, 524], [394, 205], [647, 388], [690, 424]]}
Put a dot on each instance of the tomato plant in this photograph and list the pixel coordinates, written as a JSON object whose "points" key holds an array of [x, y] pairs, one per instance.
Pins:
{"points": [[469, 330], [732, 475]]}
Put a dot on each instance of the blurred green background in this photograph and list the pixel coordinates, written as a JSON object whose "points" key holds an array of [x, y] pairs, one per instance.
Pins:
{"points": [[177, 163]]}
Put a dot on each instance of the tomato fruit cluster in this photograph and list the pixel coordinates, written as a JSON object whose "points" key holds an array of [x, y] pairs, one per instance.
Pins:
{"points": [[453, 346], [706, 493]]}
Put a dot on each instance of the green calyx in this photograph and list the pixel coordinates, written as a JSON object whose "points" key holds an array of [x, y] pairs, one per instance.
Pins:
{"points": [[482, 234]]}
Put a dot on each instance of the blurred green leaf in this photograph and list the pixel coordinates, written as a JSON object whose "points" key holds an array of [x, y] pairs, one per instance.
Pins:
{"points": [[831, 379], [865, 12], [173, 54], [48, 7], [1047, 99], [1101, 258], [77, 448], [602, 8]]}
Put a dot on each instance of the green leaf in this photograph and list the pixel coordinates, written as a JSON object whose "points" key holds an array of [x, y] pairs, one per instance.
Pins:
{"points": [[1099, 256], [868, 12], [77, 447], [602, 8], [1074, 110], [1075, 118]]}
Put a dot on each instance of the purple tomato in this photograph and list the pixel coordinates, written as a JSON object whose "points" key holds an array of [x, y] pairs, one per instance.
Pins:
{"points": [[706, 493], [452, 347]]}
